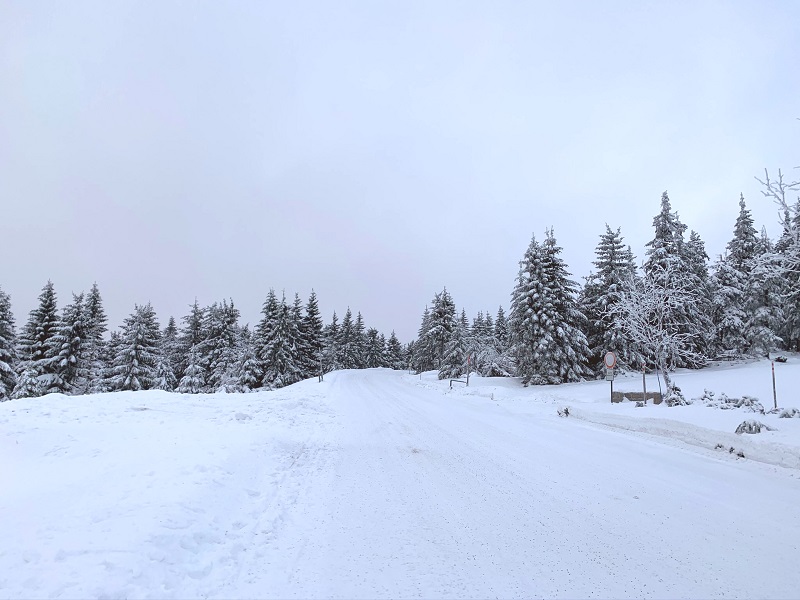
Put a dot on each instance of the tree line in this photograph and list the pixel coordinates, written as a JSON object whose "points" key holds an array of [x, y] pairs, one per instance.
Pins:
{"points": [[676, 310], [67, 352]]}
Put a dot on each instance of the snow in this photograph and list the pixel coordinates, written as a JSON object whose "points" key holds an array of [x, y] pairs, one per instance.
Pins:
{"points": [[378, 483]]}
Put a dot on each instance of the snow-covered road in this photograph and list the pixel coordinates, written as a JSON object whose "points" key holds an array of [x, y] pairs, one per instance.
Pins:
{"points": [[373, 484]]}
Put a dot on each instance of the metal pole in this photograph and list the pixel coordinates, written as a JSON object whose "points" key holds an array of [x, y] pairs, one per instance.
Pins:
{"points": [[612, 387], [774, 392]]}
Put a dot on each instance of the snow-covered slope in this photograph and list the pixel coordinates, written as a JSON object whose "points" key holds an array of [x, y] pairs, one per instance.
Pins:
{"points": [[383, 484]]}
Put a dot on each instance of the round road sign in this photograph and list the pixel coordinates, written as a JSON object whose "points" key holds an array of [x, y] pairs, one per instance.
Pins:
{"points": [[610, 360]]}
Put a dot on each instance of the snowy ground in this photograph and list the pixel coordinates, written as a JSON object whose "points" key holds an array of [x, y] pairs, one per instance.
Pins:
{"points": [[384, 484]]}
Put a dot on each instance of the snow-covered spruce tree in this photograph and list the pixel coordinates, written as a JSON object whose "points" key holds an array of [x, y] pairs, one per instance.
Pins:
{"points": [[138, 351], [110, 351], [548, 343], [441, 325], [614, 265], [218, 349], [171, 351], [250, 376], [95, 327], [67, 345], [265, 332], [743, 288], [37, 359], [8, 349], [786, 195], [302, 340], [729, 317], [454, 363], [765, 304], [165, 377], [675, 267], [422, 352], [192, 334], [375, 350], [280, 357], [331, 353], [360, 341], [491, 355], [394, 353], [192, 381], [479, 342], [349, 345], [501, 330], [694, 254], [787, 256], [313, 336]]}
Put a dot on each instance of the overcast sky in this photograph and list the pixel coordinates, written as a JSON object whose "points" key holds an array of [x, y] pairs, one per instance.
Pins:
{"points": [[375, 151]]}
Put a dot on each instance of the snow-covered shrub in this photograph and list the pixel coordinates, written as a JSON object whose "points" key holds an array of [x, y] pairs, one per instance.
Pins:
{"points": [[640, 405], [706, 398], [789, 413], [563, 412], [748, 403], [675, 397], [751, 426]]}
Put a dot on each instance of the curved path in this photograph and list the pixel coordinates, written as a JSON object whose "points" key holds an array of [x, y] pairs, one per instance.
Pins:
{"points": [[424, 494]]}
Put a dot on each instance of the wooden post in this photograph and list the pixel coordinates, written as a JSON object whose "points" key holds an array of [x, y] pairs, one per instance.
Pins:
{"points": [[644, 384], [774, 392]]}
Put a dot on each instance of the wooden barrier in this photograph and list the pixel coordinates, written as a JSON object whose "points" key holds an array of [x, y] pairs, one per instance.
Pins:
{"points": [[655, 397]]}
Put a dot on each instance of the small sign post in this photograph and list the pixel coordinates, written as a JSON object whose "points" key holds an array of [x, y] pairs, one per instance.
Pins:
{"points": [[610, 361]]}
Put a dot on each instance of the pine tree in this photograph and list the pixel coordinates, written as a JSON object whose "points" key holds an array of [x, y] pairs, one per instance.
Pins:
{"points": [[35, 346], [455, 355], [110, 352], [219, 356], [545, 328], [281, 366], [95, 327], [192, 380], [348, 344], [422, 351], [314, 338], [442, 324], [730, 282], [394, 353], [375, 350], [138, 352], [765, 302], [331, 352], [501, 330], [192, 334], [171, 350], [67, 345], [165, 377], [614, 266], [8, 350], [360, 342], [250, 376], [676, 267], [264, 334]]}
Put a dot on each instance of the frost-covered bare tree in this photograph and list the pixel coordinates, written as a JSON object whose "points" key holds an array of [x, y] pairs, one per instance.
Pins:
{"points": [[786, 195], [643, 313]]}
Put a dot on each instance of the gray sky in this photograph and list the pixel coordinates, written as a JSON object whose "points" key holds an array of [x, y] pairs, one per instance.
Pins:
{"points": [[376, 151]]}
